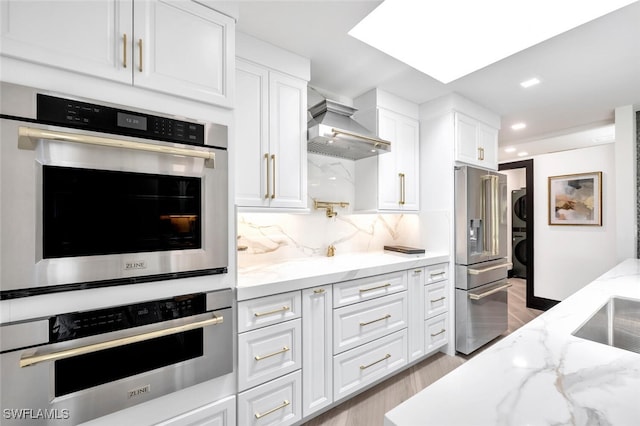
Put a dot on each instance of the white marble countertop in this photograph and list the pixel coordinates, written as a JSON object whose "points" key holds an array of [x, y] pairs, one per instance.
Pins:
{"points": [[267, 279], [541, 374]]}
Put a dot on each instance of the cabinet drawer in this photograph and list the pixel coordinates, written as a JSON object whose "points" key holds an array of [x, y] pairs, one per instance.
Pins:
{"points": [[276, 402], [436, 299], [436, 332], [268, 310], [356, 324], [349, 292], [365, 364], [219, 413], [268, 353], [435, 273]]}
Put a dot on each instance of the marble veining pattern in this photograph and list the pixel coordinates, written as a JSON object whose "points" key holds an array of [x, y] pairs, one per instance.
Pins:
{"points": [[542, 374]]}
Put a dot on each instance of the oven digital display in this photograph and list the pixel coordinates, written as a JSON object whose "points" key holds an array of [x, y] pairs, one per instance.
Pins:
{"points": [[132, 121]]}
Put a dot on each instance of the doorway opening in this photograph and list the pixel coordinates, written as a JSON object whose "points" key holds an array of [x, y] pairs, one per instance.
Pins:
{"points": [[525, 249]]}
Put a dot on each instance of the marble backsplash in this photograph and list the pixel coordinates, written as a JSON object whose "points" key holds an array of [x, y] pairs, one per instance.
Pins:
{"points": [[272, 237]]}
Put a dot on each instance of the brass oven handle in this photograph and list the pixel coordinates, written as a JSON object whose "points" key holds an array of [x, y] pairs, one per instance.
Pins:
{"points": [[273, 159], [275, 311], [474, 296], [124, 44], [364, 367], [68, 353], [362, 290], [31, 133], [279, 407], [362, 324], [266, 157], [140, 46], [438, 333], [281, 351]]}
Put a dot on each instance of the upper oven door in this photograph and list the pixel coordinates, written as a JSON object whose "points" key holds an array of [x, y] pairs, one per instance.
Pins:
{"points": [[74, 212]]}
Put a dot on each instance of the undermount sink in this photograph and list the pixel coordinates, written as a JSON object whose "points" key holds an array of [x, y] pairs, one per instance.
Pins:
{"points": [[616, 323]]}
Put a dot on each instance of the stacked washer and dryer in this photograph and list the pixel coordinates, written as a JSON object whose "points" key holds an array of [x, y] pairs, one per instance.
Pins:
{"points": [[519, 232]]}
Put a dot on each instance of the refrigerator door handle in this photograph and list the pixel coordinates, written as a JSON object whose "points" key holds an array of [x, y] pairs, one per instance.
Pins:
{"points": [[490, 205], [474, 296], [490, 268]]}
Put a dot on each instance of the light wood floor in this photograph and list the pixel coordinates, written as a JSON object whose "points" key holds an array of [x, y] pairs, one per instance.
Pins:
{"points": [[368, 408]]}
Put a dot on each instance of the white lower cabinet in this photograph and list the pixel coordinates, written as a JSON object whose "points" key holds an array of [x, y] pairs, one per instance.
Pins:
{"points": [[365, 364], [219, 413], [436, 302], [317, 344], [277, 402], [436, 332], [415, 293]]}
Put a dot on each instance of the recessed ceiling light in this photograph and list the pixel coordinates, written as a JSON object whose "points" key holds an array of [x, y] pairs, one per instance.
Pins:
{"points": [[518, 126], [510, 149], [423, 34], [530, 82], [522, 154]]}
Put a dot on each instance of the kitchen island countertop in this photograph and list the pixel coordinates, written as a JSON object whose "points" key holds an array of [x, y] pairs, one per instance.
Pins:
{"points": [[541, 374], [295, 274]]}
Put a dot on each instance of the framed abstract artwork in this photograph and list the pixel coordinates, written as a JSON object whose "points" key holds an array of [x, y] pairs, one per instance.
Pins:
{"points": [[576, 199]]}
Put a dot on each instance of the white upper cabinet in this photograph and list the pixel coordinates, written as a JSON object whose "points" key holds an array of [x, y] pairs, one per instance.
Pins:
{"points": [[176, 47], [476, 142], [390, 181], [271, 135]]}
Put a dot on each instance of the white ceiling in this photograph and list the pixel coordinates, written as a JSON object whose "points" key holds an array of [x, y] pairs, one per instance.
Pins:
{"points": [[585, 72]]}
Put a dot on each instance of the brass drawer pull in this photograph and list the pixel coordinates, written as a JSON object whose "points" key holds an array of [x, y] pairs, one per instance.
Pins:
{"points": [[275, 311], [437, 300], [281, 351], [437, 274], [438, 333], [362, 290], [279, 407], [364, 367], [417, 271], [362, 324], [319, 291]]}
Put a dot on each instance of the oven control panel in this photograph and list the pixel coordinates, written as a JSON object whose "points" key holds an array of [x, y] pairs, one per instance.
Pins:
{"points": [[75, 325], [100, 118]]}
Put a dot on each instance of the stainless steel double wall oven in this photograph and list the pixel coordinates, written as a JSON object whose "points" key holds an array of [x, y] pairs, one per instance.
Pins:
{"points": [[95, 194]]}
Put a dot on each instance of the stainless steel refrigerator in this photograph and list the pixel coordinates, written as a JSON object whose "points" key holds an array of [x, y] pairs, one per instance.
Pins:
{"points": [[481, 257]]}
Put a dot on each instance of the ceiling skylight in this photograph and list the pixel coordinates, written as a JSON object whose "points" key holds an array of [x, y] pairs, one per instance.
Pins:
{"points": [[448, 39]]}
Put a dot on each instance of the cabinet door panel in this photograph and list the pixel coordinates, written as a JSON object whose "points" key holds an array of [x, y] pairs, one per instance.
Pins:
{"points": [[415, 326], [186, 50], [252, 134], [287, 140], [466, 139], [85, 37]]}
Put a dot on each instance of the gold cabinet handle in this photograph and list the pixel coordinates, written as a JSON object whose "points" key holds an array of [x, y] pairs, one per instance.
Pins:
{"points": [[480, 153], [362, 324], [140, 47], [275, 311], [319, 291], [124, 45], [68, 353], [364, 367], [273, 159], [281, 351], [438, 333], [438, 299], [279, 407], [417, 271], [437, 274], [362, 290], [266, 157], [402, 188]]}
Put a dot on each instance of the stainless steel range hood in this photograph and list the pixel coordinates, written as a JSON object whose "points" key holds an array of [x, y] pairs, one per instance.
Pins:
{"points": [[333, 132]]}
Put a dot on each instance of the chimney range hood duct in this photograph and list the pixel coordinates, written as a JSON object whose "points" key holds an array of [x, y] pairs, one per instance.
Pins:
{"points": [[333, 132]]}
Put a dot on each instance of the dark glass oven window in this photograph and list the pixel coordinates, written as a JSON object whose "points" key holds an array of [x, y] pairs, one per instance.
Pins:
{"points": [[96, 368], [93, 212]]}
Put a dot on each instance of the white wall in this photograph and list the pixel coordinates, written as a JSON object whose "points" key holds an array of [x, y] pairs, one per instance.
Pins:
{"points": [[569, 257]]}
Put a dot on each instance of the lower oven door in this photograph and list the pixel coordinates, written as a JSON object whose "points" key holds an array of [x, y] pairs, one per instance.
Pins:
{"points": [[78, 380], [481, 315]]}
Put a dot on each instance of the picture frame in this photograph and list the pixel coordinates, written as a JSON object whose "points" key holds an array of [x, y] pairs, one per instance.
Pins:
{"points": [[576, 199]]}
